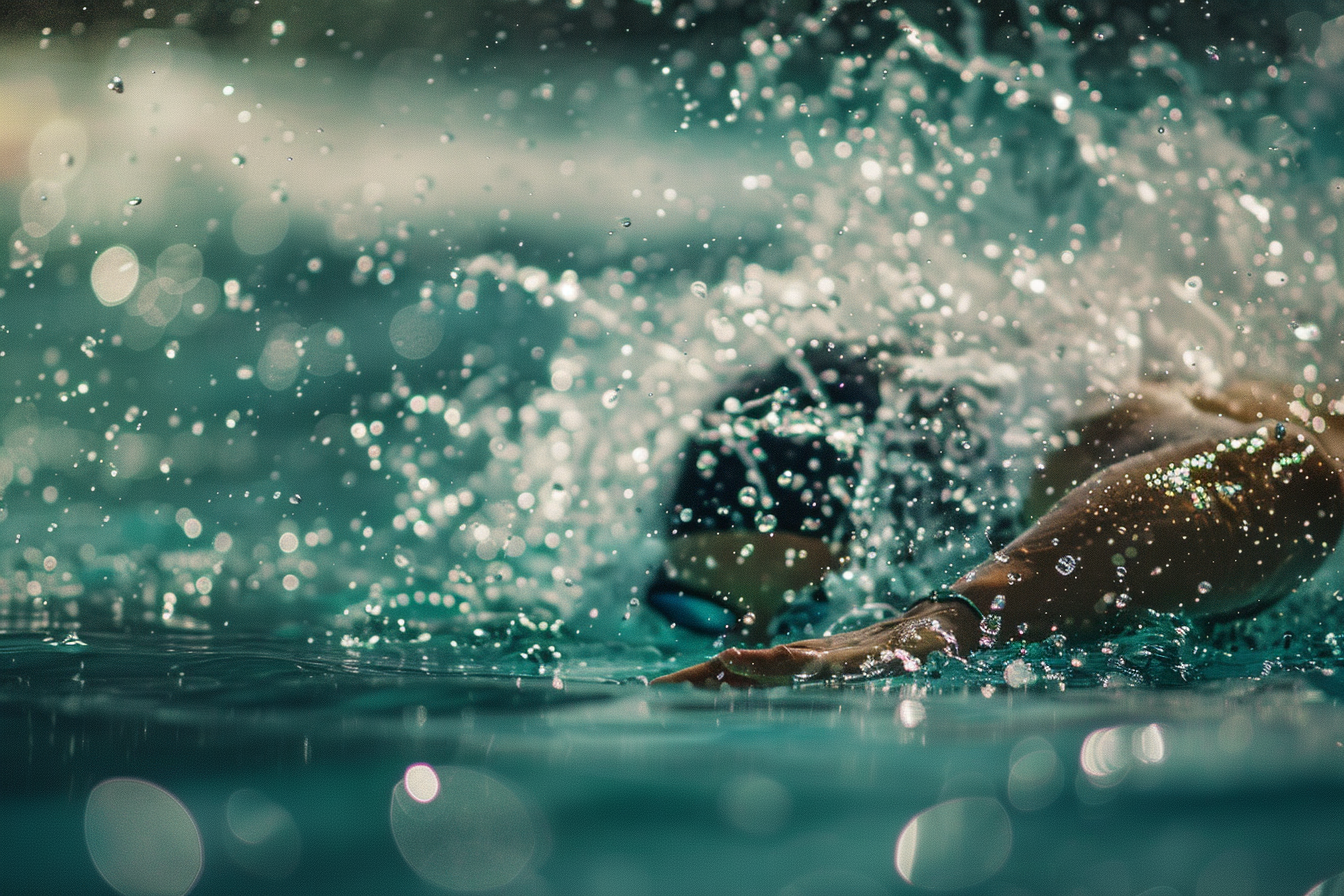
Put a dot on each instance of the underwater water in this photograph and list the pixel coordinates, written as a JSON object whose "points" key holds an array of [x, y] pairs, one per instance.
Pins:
{"points": [[348, 354]]}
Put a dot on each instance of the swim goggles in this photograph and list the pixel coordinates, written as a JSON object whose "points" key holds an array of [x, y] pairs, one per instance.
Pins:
{"points": [[688, 608], [704, 614]]}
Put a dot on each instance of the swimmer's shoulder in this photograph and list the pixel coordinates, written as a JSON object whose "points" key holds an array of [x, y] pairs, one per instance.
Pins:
{"points": [[1318, 408]]}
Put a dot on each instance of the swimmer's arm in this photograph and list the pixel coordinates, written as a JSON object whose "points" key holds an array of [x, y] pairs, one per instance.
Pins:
{"points": [[887, 648], [1206, 528]]}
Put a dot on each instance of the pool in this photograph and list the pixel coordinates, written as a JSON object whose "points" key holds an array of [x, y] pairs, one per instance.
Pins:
{"points": [[348, 354]]}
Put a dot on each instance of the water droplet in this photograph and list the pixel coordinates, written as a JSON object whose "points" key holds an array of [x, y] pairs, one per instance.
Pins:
{"points": [[625, 222], [239, 159], [699, 289], [1212, 52], [134, 200], [116, 85], [1018, 674], [989, 630], [1066, 565], [1204, 587]]}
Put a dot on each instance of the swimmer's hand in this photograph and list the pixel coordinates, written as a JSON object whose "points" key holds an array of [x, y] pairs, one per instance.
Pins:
{"points": [[892, 647]]}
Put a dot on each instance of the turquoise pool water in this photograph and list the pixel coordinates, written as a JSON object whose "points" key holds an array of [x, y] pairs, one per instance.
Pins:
{"points": [[347, 355]]}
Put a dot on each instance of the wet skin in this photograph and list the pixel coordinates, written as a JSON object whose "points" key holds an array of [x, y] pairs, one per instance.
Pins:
{"points": [[1210, 505]]}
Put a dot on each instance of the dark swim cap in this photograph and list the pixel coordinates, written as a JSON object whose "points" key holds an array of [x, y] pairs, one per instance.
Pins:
{"points": [[778, 452]]}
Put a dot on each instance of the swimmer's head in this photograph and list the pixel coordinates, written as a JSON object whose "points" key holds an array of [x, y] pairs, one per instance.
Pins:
{"points": [[716, 583], [759, 512]]}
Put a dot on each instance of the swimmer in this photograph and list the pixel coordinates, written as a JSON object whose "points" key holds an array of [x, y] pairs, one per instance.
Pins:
{"points": [[1170, 499]]}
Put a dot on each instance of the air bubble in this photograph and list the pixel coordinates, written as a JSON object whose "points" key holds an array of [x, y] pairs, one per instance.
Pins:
{"points": [[1204, 587], [625, 222], [699, 289], [296, 499], [134, 200], [239, 159], [1212, 52], [116, 85], [1066, 565]]}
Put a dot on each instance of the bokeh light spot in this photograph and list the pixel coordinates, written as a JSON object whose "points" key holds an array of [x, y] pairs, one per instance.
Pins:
{"points": [[416, 331], [474, 834], [421, 782], [114, 275], [260, 225], [265, 838], [142, 840], [955, 844]]}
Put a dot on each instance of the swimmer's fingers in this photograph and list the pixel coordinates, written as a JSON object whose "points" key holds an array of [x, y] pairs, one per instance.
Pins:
{"points": [[892, 647], [790, 663], [740, 668]]}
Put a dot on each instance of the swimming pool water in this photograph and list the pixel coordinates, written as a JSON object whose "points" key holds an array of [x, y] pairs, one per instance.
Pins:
{"points": [[347, 356], [293, 765]]}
